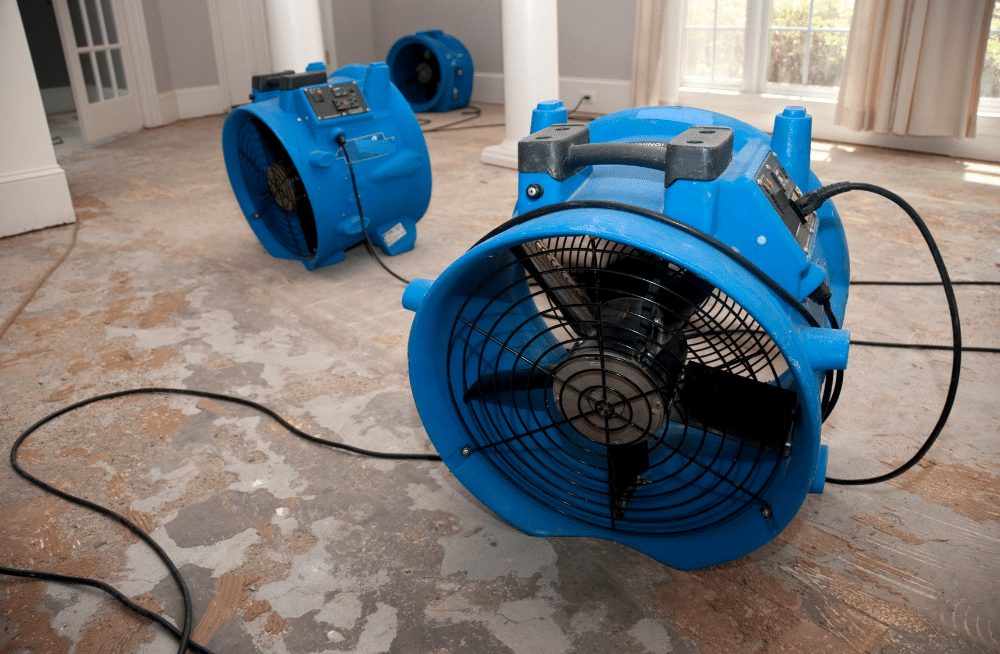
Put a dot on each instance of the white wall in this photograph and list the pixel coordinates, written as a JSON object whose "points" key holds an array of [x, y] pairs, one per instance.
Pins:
{"points": [[33, 188], [354, 35], [595, 41], [475, 24]]}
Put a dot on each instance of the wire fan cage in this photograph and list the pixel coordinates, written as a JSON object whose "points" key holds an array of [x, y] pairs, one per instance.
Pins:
{"points": [[420, 83], [275, 188], [620, 388]]}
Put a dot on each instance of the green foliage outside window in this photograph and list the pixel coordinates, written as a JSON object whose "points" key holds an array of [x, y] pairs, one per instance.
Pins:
{"points": [[826, 49], [989, 85]]}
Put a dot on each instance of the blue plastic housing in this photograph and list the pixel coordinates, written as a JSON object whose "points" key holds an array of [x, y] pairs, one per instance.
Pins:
{"points": [[386, 148], [440, 53], [731, 208]]}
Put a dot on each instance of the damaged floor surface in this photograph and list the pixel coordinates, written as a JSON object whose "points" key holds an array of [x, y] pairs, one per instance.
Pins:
{"points": [[293, 548]]}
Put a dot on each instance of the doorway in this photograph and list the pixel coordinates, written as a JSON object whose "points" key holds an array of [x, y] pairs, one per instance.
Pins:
{"points": [[49, 61], [84, 68]]}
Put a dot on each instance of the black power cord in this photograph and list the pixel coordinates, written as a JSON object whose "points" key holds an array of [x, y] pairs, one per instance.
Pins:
{"points": [[342, 142], [184, 634], [815, 199], [582, 119], [472, 112]]}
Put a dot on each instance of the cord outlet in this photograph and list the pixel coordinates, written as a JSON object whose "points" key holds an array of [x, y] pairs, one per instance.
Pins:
{"points": [[588, 96]]}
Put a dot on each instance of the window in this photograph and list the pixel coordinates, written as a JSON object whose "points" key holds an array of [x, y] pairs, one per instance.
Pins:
{"points": [[714, 40], [808, 42], [779, 46], [989, 84]]}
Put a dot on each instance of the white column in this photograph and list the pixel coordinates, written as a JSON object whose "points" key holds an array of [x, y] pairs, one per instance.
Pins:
{"points": [[530, 70], [295, 33], [33, 188]]}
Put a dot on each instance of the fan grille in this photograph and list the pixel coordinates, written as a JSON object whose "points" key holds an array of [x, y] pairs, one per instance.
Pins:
{"points": [[275, 189], [590, 374], [417, 73]]}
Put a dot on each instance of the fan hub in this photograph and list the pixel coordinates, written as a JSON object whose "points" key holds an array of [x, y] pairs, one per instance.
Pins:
{"points": [[281, 182], [607, 397], [424, 72]]}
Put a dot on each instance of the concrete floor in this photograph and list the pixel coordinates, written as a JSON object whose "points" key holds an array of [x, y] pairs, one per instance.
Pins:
{"points": [[292, 548]]}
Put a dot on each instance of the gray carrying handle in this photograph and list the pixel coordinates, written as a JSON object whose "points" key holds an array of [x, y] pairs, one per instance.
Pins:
{"points": [[699, 153]]}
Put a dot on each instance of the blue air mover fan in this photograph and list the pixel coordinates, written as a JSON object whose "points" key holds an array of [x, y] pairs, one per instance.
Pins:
{"points": [[291, 177], [594, 368], [433, 71]]}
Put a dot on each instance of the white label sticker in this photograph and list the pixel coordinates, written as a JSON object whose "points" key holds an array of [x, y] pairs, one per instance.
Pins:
{"points": [[393, 234]]}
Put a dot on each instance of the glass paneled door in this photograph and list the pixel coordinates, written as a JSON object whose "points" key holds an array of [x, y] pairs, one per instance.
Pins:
{"points": [[100, 67]]}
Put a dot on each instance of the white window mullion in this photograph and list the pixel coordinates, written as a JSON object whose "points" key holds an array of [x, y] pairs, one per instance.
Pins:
{"points": [[755, 45], [715, 40], [808, 44], [102, 20]]}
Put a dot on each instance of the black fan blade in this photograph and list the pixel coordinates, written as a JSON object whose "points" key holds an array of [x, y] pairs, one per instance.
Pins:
{"points": [[506, 381], [562, 289], [735, 407], [626, 464], [677, 291], [612, 272]]}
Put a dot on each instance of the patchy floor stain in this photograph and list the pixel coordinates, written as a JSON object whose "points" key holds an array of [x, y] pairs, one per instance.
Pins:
{"points": [[275, 624], [32, 629], [117, 631], [254, 609], [88, 207], [123, 359], [888, 529], [972, 493], [231, 595], [162, 421], [161, 306]]}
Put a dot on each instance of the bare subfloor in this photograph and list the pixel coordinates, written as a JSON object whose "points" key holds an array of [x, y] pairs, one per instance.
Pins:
{"points": [[293, 548]]}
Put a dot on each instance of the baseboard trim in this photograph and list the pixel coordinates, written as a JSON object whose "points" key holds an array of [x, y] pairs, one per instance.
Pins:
{"points": [[168, 107], [34, 199], [201, 101], [192, 102], [487, 87], [607, 95]]}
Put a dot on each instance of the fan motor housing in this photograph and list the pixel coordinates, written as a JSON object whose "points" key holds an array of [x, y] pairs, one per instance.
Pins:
{"points": [[594, 371], [291, 178], [433, 70]]}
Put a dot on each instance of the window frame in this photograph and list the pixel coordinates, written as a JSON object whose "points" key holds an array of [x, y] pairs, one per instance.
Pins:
{"points": [[988, 105], [756, 50]]}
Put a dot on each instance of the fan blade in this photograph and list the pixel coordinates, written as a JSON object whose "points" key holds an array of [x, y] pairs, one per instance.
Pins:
{"points": [[605, 272], [563, 291], [738, 408], [626, 463], [677, 291], [506, 381]]}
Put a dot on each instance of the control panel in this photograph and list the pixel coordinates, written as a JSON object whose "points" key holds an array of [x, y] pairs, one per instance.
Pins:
{"points": [[781, 191], [336, 100]]}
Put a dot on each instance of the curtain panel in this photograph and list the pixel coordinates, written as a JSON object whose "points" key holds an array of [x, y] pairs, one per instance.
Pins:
{"points": [[913, 67], [656, 52]]}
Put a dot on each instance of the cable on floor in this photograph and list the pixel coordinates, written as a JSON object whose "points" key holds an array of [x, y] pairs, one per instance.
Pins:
{"points": [[814, 200], [34, 289], [472, 112], [184, 634]]}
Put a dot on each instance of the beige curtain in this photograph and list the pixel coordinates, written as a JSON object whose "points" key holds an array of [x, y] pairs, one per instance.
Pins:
{"points": [[913, 67], [656, 51]]}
